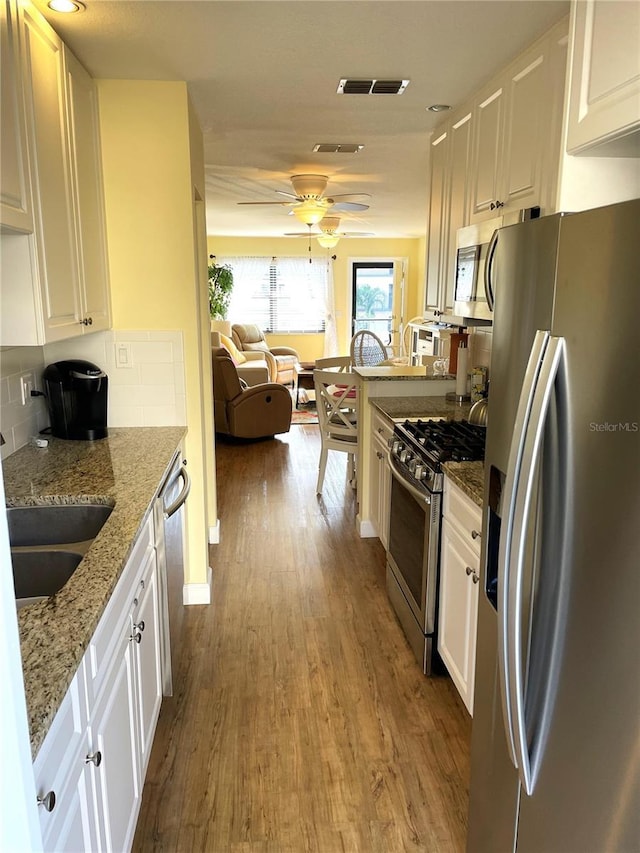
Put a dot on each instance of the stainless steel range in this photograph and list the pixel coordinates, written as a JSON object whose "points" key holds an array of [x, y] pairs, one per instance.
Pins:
{"points": [[417, 452]]}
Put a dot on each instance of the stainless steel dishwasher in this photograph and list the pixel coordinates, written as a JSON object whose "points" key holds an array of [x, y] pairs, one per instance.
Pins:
{"points": [[169, 524]]}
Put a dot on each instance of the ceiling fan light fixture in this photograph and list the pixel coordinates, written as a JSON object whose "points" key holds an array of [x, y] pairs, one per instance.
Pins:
{"points": [[309, 186], [310, 212], [328, 241]]}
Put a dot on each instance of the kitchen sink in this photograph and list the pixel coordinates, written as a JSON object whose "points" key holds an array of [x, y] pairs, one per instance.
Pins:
{"points": [[55, 524], [40, 573]]}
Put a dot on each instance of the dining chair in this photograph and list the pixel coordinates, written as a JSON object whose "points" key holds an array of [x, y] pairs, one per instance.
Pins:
{"points": [[337, 398], [367, 350]]}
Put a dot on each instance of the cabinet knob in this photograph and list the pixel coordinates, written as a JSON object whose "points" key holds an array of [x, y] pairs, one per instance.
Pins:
{"points": [[475, 534], [379, 455], [139, 626], [88, 321], [48, 801], [94, 758], [496, 205], [474, 575], [137, 638]]}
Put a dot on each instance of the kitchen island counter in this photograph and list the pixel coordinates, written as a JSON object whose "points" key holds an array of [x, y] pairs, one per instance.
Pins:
{"points": [[400, 408], [125, 471]]}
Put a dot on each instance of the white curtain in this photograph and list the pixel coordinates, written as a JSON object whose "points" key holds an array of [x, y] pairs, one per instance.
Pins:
{"points": [[330, 331], [249, 275]]}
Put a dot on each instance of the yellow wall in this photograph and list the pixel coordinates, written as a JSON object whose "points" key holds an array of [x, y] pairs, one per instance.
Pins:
{"points": [[151, 227], [310, 347]]}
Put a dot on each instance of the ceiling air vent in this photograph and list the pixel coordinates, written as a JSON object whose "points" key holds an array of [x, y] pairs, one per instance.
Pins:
{"points": [[372, 87], [337, 148]]}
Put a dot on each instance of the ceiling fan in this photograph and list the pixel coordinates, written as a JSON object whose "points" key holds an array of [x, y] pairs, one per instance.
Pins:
{"points": [[310, 204], [329, 232]]}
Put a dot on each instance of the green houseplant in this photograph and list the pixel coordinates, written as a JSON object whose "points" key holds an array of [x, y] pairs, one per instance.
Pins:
{"points": [[220, 287]]}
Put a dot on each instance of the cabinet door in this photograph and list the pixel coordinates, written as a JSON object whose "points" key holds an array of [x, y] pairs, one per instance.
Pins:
{"points": [[438, 201], [458, 207], [385, 501], [489, 120], [148, 669], [113, 734], [88, 195], [15, 204], [53, 213], [458, 614], [75, 823], [604, 107]]}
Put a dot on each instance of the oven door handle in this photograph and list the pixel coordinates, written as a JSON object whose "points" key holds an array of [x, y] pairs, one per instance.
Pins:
{"points": [[417, 494]]}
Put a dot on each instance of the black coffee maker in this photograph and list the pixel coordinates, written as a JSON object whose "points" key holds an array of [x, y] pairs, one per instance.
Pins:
{"points": [[76, 393]]}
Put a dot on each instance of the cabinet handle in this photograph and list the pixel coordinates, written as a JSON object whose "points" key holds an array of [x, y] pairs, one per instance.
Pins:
{"points": [[94, 758], [475, 534], [48, 801], [380, 430], [139, 626], [379, 455], [474, 575], [496, 205], [88, 321]]}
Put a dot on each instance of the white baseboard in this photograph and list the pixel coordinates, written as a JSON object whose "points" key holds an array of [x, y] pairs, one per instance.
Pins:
{"points": [[214, 534], [199, 593], [366, 529]]}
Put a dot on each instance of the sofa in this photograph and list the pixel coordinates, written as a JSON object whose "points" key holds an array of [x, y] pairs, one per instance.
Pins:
{"points": [[256, 412], [282, 361], [252, 367]]}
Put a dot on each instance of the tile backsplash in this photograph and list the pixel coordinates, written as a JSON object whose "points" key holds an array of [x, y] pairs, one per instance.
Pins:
{"points": [[146, 380], [19, 422], [480, 341]]}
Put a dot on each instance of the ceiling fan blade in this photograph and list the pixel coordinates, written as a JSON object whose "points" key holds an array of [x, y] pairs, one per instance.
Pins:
{"points": [[289, 195], [350, 196], [264, 202], [303, 234], [355, 234], [349, 205]]}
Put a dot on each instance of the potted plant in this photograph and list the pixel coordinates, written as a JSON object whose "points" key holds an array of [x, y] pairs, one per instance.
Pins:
{"points": [[220, 287]]}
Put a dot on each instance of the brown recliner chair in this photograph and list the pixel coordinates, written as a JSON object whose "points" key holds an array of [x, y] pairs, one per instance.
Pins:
{"points": [[282, 360], [254, 412]]}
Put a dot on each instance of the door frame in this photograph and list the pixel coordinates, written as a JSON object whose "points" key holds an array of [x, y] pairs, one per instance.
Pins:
{"points": [[400, 271]]}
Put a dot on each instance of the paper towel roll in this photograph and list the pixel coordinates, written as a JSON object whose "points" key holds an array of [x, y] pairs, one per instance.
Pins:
{"points": [[461, 372]]}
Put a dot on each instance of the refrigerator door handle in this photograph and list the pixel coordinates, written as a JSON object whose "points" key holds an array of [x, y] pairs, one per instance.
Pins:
{"points": [[524, 496], [505, 547]]}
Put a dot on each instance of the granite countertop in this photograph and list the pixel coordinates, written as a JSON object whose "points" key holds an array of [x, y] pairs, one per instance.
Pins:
{"points": [[124, 470], [399, 371], [469, 476], [399, 408]]}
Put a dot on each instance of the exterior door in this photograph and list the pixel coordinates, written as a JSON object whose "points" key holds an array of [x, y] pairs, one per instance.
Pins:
{"points": [[377, 289]]}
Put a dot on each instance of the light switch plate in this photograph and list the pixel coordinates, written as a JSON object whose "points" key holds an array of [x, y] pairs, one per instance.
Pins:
{"points": [[123, 354]]}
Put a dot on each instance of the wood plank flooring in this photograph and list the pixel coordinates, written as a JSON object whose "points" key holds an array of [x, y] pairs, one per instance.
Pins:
{"points": [[300, 720]]}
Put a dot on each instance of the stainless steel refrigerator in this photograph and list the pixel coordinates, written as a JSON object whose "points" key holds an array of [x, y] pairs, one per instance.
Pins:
{"points": [[555, 765]]}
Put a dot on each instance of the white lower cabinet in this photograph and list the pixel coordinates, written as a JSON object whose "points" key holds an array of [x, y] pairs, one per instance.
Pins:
{"points": [[95, 755], [459, 587], [380, 476]]}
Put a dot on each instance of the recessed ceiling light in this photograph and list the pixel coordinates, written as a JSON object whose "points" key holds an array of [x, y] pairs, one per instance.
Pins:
{"points": [[439, 108], [66, 6]]}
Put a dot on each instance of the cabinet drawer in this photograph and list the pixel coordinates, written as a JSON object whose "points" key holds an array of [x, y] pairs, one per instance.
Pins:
{"points": [[382, 427], [463, 514], [116, 614], [60, 749]]}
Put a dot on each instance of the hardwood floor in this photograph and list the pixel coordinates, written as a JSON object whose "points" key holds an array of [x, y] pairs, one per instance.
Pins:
{"points": [[300, 720]]}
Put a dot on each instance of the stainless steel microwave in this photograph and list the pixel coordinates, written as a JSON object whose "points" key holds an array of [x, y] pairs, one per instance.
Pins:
{"points": [[474, 288]]}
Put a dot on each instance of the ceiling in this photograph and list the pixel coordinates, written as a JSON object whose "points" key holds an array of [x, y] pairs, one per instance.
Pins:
{"points": [[263, 74]]}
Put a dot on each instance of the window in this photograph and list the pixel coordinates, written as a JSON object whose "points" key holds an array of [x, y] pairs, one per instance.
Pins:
{"points": [[279, 294], [372, 298]]}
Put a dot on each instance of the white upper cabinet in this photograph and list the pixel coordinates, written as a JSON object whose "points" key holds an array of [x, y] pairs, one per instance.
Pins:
{"points": [[55, 229], [55, 281], [15, 200], [438, 219], [86, 163], [604, 105], [517, 136]]}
